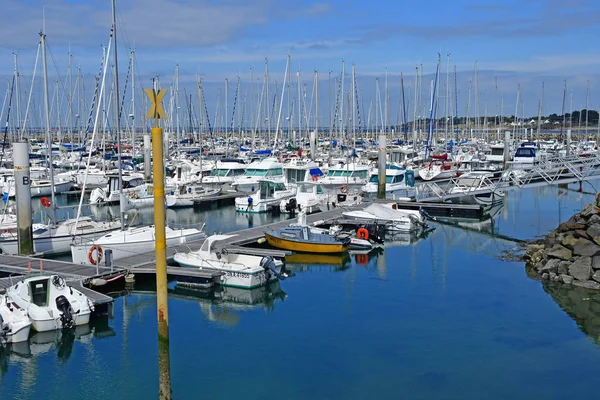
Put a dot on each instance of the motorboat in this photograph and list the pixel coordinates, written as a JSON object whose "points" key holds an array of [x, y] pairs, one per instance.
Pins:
{"points": [[50, 303], [130, 242], [345, 178], [390, 216], [399, 184], [268, 168], [477, 187], [438, 168], [224, 173], [340, 200], [238, 270], [185, 195], [301, 238], [270, 194], [14, 322], [309, 196], [132, 182]]}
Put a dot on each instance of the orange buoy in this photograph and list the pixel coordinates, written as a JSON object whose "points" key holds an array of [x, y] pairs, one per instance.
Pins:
{"points": [[45, 202], [99, 251], [363, 234]]}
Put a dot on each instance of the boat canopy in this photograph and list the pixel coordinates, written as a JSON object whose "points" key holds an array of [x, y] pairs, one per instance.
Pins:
{"points": [[316, 172]]}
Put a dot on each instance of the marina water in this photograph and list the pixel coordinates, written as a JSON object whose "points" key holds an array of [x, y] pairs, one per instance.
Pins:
{"points": [[446, 317]]}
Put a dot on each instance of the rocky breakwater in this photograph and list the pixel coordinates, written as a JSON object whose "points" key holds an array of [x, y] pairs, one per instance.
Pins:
{"points": [[571, 253]]}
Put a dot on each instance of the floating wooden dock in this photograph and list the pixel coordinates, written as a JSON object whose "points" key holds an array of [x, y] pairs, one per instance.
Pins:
{"points": [[145, 264]]}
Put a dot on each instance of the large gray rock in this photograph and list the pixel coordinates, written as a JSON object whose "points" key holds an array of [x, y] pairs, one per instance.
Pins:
{"points": [[551, 266], [581, 234], [570, 241], [585, 248], [581, 269], [593, 230], [587, 284], [561, 252], [568, 279], [570, 225], [596, 276], [594, 219], [563, 267], [545, 276], [596, 261]]}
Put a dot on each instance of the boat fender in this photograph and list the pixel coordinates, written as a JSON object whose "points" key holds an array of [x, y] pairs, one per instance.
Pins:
{"points": [[261, 240], [362, 233], [315, 178], [99, 251], [98, 282]]}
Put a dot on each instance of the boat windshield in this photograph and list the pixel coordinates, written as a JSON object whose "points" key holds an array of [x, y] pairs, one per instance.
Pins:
{"points": [[525, 152], [219, 172], [256, 172]]}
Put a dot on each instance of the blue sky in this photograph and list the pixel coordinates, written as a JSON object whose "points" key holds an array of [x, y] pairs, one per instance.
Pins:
{"points": [[523, 42]]}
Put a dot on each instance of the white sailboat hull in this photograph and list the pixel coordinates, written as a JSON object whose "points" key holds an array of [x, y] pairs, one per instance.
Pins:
{"points": [[80, 253]]}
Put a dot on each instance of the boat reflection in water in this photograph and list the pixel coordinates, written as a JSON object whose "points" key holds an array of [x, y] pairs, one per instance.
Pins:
{"points": [[220, 304], [62, 340], [583, 305]]}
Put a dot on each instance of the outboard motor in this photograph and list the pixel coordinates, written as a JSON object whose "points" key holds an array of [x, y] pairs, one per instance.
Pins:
{"points": [[291, 206], [66, 316], [268, 263]]}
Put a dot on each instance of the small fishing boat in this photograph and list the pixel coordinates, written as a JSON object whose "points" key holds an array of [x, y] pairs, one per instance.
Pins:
{"points": [[50, 303], [389, 216], [185, 195], [270, 194], [303, 239], [239, 270], [14, 322]]}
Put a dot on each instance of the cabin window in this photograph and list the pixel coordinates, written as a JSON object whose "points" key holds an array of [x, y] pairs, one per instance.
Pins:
{"points": [[219, 172], [319, 189], [525, 152], [280, 186], [39, 292], [275, 172], [40, 231], [360, 174], [398, 178], [374, 179], [497, 152]]}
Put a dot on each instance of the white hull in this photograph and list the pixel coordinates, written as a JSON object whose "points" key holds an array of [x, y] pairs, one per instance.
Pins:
{"points": [[229, 278], [53, 324], [54, 245], [341, 187], [80, 252], [428, 174], [46, 190]]}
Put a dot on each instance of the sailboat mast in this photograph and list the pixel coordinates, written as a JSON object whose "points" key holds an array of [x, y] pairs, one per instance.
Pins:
{"points": [[118, 114], [47, 120]]}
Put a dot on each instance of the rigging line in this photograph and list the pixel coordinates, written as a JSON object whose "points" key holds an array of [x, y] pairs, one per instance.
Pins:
{"points": [[12, 87]]}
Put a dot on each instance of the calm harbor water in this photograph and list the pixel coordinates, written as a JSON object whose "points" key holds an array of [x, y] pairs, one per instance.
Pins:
{"points": [[439, 317]]}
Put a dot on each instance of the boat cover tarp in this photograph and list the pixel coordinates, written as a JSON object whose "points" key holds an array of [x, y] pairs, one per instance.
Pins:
{"points": [[315, 172]]}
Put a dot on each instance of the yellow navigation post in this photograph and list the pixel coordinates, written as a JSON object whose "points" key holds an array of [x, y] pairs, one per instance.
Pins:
{"points": [[164, 365]]}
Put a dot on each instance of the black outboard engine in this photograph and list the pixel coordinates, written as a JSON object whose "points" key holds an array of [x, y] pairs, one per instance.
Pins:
{"points": [[268, 263], [66, 316], [291, 206]]}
